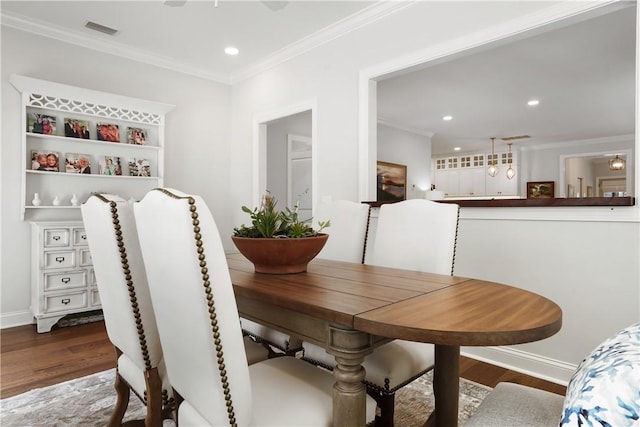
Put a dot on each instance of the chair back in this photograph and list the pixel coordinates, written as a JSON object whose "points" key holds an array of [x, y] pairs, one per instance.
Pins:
{"points": [[121, 279], [417, 234], [348, 230], [195, 306]]}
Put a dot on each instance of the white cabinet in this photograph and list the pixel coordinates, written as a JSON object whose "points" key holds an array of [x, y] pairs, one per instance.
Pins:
{"points": [[62, 278], [121, 138], [471, 178], [446, 175], [466, 175], [500, 185]]}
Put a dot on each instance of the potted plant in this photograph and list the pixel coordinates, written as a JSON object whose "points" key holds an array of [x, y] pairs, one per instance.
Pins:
{"points": [[278, 242]]}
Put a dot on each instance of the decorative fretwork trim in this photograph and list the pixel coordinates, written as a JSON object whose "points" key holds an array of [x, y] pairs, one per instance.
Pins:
{"points": [[81, 107], [206, 283]]}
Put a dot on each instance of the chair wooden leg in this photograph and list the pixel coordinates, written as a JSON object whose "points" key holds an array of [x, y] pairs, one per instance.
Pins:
{"points": [[154, 398], [386, 404], [122, 401]]}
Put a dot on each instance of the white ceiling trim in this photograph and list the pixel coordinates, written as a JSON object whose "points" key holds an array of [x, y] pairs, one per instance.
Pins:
{"points": [[382, 121], [78, 38], [332, 32]]}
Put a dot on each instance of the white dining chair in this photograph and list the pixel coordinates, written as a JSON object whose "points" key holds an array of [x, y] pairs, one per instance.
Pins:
{"points": [[415, 235], [347, 232], [126, 304], [199, 328]]}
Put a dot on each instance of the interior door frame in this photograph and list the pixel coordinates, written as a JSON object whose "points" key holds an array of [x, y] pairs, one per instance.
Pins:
{"points": [[259, 160], [297, 155]]}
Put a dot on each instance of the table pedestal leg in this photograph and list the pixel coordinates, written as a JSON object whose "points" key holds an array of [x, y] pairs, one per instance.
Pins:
{"points": [[446, 386], [349, 394]]}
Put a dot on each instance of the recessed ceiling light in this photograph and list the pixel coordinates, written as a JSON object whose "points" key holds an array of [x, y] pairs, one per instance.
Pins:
{"points": [[456, 148], [447, 118], [231, 51], [533, 102]]}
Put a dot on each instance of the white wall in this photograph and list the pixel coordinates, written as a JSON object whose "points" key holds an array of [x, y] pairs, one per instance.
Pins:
{"points": [[500, 245], [410, 149], [197, 142]]}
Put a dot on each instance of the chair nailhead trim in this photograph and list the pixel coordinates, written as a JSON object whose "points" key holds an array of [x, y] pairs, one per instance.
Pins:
{"points": [[210, 303]]}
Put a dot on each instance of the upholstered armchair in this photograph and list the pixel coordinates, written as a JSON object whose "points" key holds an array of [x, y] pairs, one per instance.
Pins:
{"points": [[604, 391], [200, 332]]}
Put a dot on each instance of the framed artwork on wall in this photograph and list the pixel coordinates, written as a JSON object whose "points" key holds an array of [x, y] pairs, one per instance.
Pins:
{"points": [[541, 190], [391, 182]]}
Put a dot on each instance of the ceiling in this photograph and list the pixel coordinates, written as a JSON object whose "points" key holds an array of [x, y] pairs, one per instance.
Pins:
{"points": [[583, 74], [192, 35]]}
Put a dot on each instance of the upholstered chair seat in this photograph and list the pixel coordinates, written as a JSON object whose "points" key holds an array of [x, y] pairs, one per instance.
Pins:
{"points": [[200, 330]]}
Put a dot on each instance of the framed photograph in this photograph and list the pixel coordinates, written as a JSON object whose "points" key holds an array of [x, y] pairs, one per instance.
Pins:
{"points": [[74, 128], [110, 165], [41, 123], [45, 161], [137, 136], [77, 163], [108, 132], [541, 190], [139, 167], [391, 182]]}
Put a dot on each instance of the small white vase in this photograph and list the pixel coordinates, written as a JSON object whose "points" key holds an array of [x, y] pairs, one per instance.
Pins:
{"points": [[36, 200], [74, 200], [56, 201]]}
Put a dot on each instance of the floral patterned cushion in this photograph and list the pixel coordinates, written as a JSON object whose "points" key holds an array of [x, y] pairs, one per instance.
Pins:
{"points": [[605, 390]]}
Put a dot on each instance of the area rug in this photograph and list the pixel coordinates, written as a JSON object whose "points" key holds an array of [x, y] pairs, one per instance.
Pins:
{"points": [[88, 401]]}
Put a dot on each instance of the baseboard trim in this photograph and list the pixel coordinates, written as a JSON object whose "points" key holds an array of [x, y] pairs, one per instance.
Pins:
{"points": [[16, 318], [524, 362]]}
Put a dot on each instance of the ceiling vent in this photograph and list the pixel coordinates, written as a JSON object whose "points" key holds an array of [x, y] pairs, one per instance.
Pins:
{"points": [[100, 28]]}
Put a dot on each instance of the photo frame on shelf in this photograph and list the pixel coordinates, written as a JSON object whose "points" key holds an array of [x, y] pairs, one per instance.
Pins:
{"points": [[540, 189], [391, 181], [108, 132], [110, 165], [48, 161], [136, 136], [41, 123], [139, 167], [77, 163], [75, 128]]}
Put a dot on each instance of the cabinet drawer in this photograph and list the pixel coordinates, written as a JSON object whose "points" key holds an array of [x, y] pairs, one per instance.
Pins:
{"points": [[56, 237], [79, 237], [65, 302], [64, 280], [59, 259], [85, 257], [95, 297]]}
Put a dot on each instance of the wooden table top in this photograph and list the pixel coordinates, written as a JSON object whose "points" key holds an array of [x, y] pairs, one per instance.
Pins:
{"points": [[404, 304]]}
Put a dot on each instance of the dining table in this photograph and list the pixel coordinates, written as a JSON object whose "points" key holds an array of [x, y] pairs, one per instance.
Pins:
{"points": [[351, 308]]}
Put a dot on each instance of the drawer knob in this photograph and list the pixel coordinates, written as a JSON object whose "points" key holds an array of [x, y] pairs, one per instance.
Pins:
{"points": [[66, 280], [65, 301], [56, 237], [60, 259], [83, 237]]}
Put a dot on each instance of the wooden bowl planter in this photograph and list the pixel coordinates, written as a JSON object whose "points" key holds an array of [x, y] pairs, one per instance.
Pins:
{"points": [[280, 255]]}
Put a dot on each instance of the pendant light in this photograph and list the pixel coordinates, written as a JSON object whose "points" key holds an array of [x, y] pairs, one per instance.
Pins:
{"points": [[492, 170], [511, 172], [616, 164]]}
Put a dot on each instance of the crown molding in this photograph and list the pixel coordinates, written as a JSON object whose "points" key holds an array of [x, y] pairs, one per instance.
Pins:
{"points": [[338, 29], [357, 20], [384, 122]]}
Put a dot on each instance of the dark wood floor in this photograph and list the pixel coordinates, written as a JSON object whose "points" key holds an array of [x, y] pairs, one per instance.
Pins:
{"points": [[30, 360]]}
